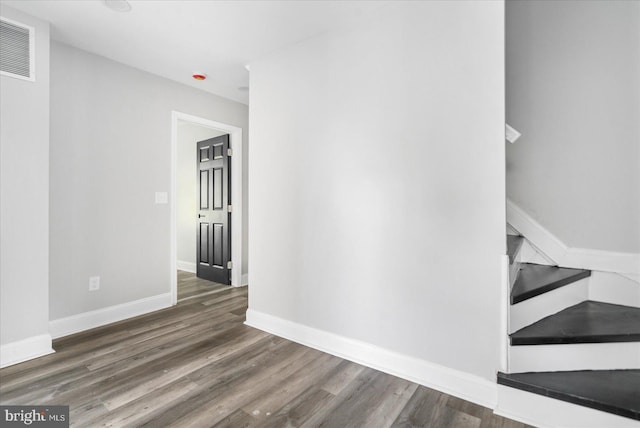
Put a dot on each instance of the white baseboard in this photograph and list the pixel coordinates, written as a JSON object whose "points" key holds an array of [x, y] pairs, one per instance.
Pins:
{"points": [[99, 317], [245, 279], [25, 349], [580, 258], [544, 412], [186, 266], [460, 384]]}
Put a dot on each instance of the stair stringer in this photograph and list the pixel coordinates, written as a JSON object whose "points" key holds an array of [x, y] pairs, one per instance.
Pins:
{"points": [[565, 256]]}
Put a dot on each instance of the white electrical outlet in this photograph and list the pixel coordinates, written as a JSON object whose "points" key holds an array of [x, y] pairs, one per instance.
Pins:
{"points": [[94, 283]]}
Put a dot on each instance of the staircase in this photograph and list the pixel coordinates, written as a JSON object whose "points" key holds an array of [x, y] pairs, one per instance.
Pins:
{"points": [[567, 347]]}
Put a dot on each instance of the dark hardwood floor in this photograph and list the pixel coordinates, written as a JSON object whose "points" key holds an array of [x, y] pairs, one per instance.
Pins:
{"points": [[197, 365], [190, 286]]}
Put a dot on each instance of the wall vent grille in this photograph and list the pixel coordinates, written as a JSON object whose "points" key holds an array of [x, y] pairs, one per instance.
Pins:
{"points": [[16, 50]]}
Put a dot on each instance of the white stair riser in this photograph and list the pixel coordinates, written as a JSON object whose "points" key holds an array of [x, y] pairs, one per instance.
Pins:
{"points": [[531, 310], [587, 356], [613, 288]]}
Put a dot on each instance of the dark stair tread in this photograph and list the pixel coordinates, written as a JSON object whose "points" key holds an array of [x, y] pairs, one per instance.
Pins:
{"points": [[586, 322], [513, 245], [534, 280], [612, 391]]}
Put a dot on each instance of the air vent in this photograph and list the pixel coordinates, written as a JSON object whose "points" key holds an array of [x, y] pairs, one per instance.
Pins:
{"points": [[16, 50]]}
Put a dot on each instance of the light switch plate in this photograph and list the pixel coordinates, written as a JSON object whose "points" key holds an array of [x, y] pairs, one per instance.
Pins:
{"points": [[162, 198]]}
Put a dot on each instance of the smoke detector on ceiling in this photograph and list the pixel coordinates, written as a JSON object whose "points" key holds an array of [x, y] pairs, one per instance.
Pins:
{"points": [[117, 5]]}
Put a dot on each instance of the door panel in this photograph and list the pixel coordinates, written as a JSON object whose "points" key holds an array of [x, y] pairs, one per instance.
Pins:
{"points": [[204, 190], [217, 189], [203, 239], [217, 245], [217, 151], [204, 153], [214, 231]]}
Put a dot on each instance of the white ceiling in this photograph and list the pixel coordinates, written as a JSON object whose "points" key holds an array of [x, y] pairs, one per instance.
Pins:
{"points": [[174, 38]]}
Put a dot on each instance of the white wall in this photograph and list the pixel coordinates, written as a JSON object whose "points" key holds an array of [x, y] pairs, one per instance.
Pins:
{"points": [[377, 182], [24, 195], [187, 189], [110, 152], [573, 90]]}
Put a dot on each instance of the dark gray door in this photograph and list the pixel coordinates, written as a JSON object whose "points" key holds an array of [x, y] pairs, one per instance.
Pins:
{"points": [[214, 216]]}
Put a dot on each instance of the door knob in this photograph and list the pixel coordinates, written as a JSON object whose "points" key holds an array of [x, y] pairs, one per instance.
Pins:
{"points": [[201, 215]]}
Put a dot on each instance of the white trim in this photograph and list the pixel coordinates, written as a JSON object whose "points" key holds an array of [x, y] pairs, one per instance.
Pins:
{"points": [[99, 317], [235, 141], [245, 279], [186, 266], [561, 254], [605, 261], [535, 232], [25, 349], [544, 412], [32, 51], [460, 384], [173, 212], [504, 315]]}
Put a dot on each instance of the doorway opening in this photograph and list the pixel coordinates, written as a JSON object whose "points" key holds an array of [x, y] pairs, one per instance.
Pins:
{"points": [[186, 131]]}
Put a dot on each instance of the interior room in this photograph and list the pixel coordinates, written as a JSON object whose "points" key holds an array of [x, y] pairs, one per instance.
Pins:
{"points": [[309, 213]]}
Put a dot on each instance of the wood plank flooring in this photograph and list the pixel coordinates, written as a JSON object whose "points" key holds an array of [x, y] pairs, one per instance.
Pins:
{"points": [[189, 286], [197, 365]]}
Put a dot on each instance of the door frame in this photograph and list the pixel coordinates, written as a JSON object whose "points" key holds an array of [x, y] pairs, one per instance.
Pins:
{"points": [[235, 142]]}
